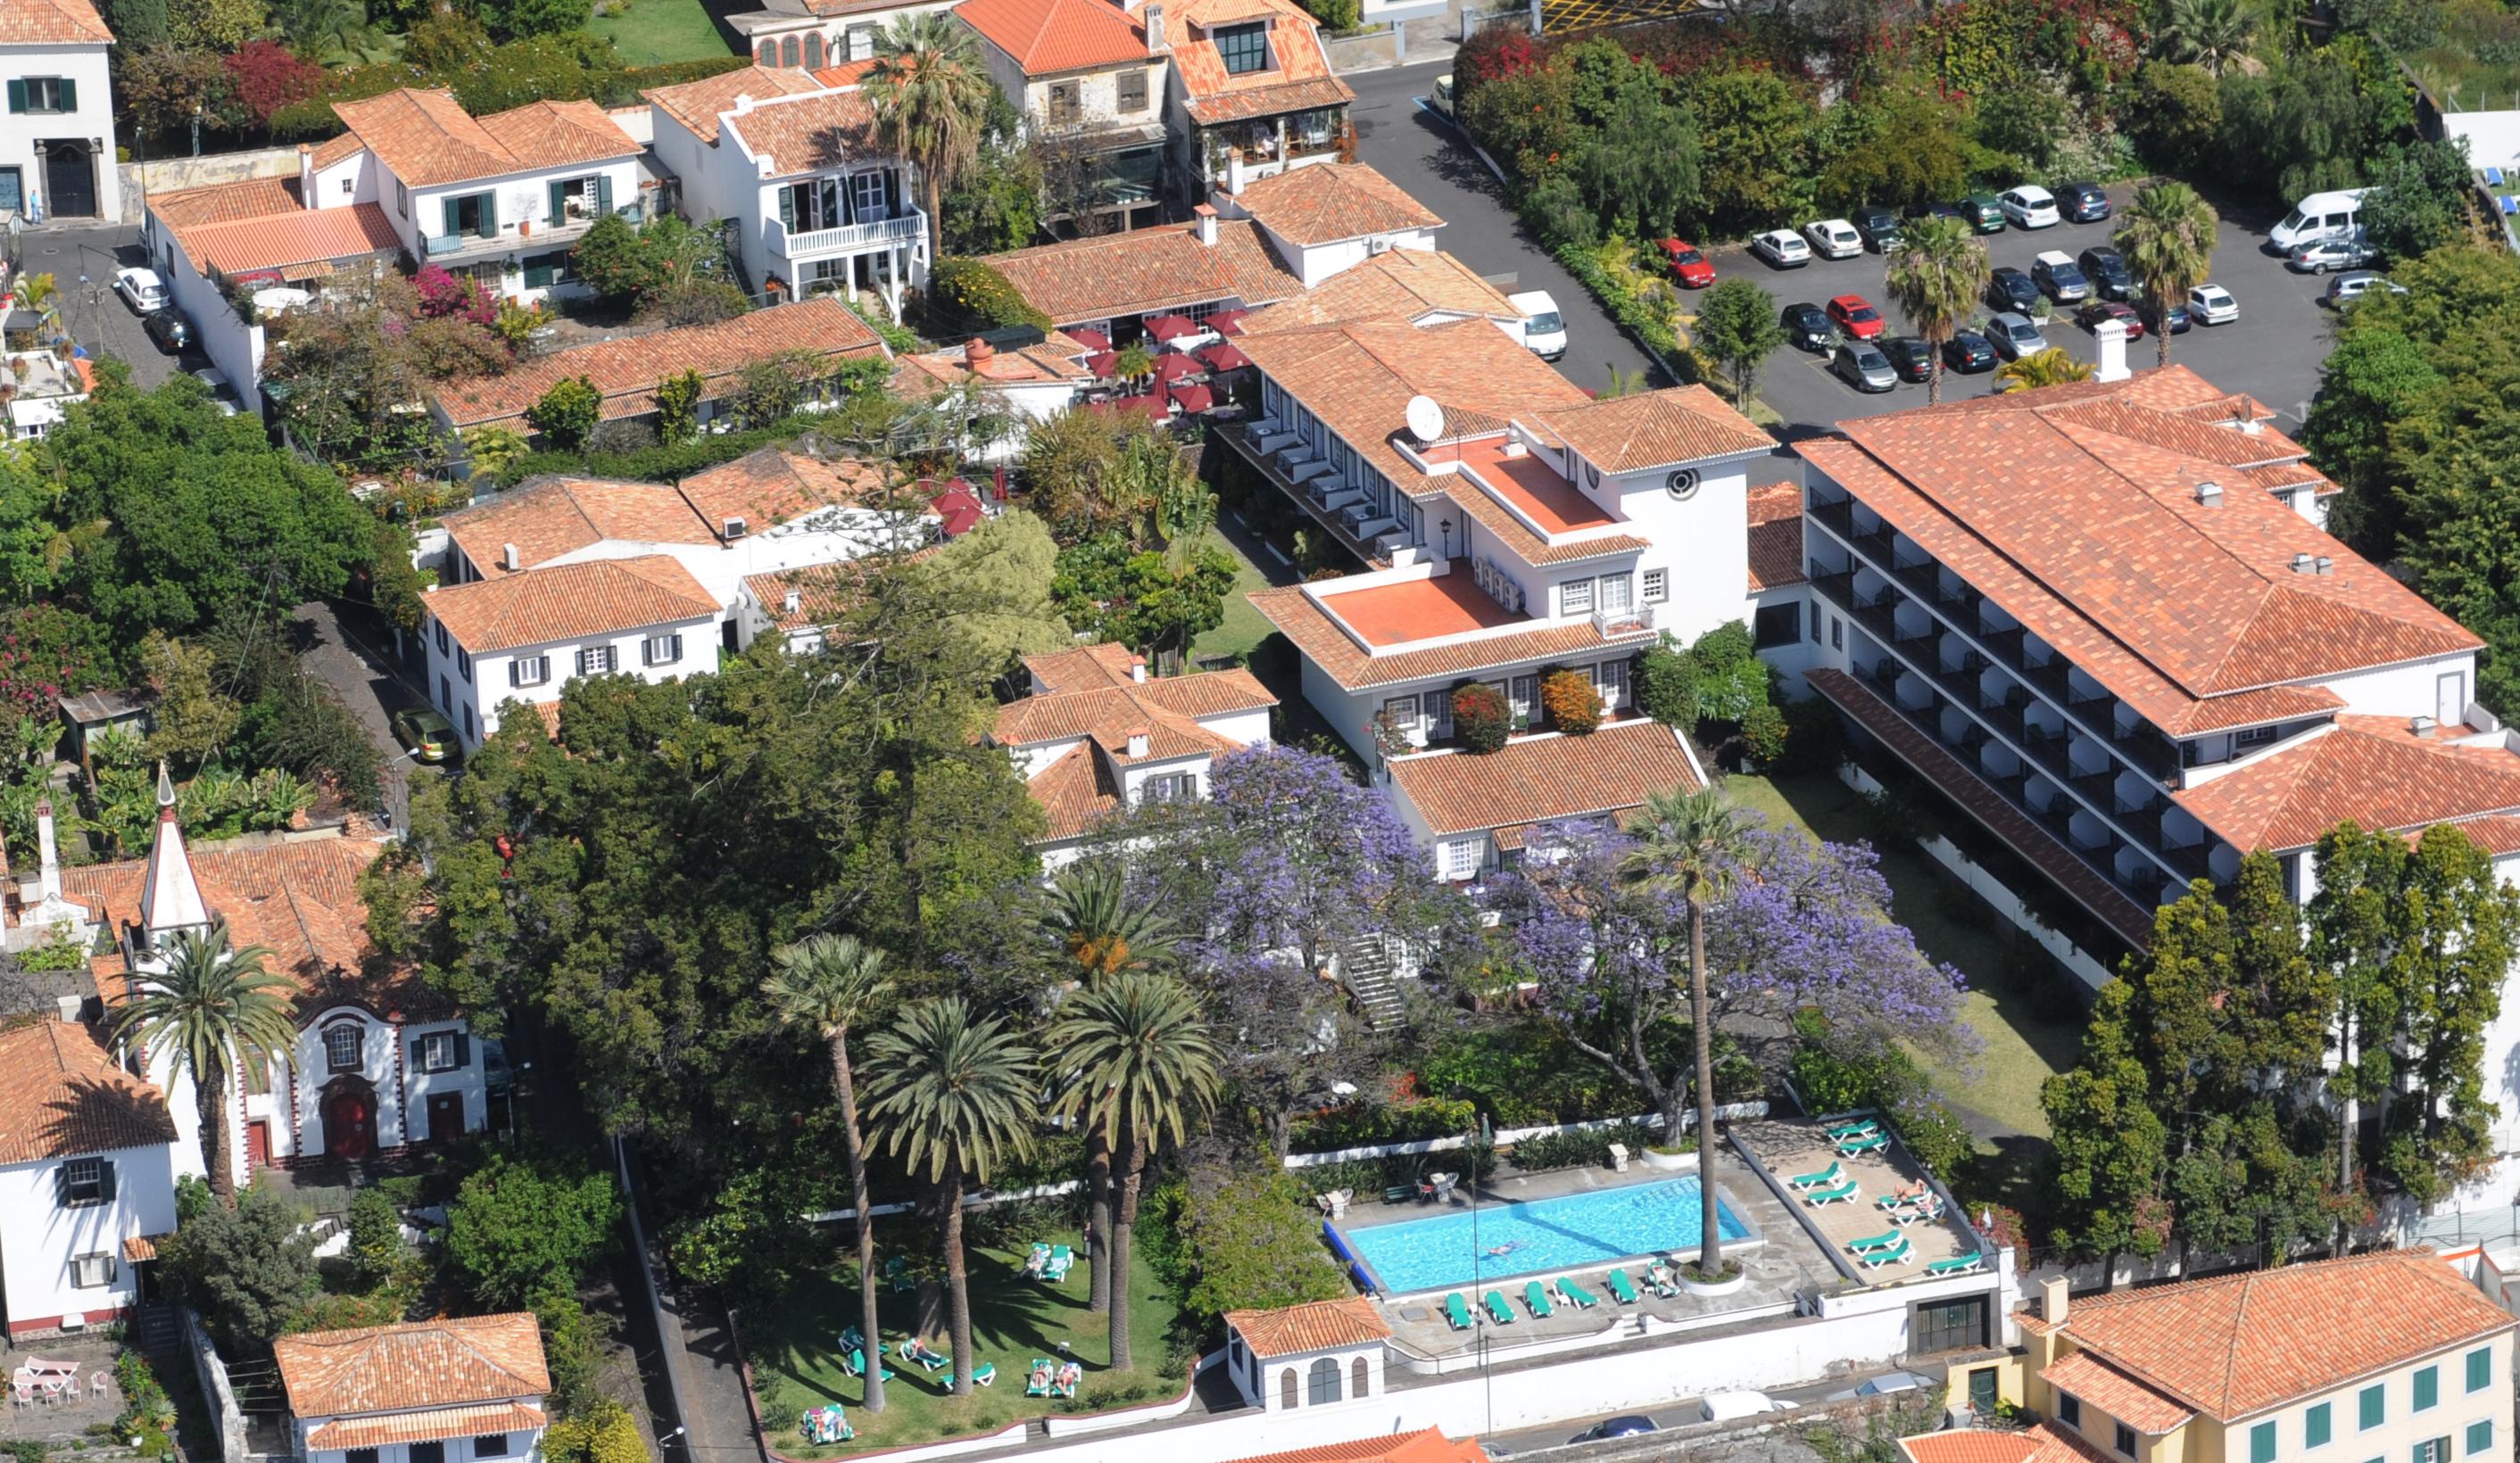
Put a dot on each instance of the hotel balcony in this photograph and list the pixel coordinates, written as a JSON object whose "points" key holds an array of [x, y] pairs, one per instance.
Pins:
{"points": [[910, 226], [1298, 469], [528, 235]]}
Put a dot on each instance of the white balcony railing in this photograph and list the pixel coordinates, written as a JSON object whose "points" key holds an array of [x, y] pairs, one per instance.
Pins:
{"points": [[911, 226], [1609, 622], [527, 234]]}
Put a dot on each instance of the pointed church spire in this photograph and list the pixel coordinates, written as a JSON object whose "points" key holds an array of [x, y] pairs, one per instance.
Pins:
{"points": [[171, 901]]}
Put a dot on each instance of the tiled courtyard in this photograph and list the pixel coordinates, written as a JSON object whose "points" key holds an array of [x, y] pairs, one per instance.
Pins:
{"points": [[81, 1405], [1786, 1149]]}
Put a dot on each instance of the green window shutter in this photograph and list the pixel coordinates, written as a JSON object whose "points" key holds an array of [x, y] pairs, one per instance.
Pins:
{"points": [[559, 205], [603, 193], [2480, 1369], [2315, 1426], [68, 93], [489, 214], [2375, 1406], [538, 273], [2427, 1387], [788, 210], [2262, 1443], [16, 94], [450, 217]]}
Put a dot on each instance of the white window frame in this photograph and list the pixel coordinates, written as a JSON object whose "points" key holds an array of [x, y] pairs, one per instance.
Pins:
{"points": [[1616, 594], [91, 1272], [1657, 586], [1462, 858], [1610, 679], [661, 649], [437, 1051], [1404, 711], [83, 1182], [358, 1046], [597, 660], [529, 670], [1575, 597], [864, 206]]}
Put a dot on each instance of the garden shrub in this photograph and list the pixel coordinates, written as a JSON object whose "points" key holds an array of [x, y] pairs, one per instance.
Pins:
{"points": [[1815, 739], [1253, 1244], [1525, 1073], [1572, 704], [1582, 1150], [1481, 717], [1363, 1124], [567, 412], [970, 295], [1886, 1080]]}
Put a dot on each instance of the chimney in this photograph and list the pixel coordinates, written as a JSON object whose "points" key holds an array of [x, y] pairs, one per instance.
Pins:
{"points": [[1205, 213], [977, 351], [742, 103], [69, 1007], [2112, 337], [1137, 668], [793, 602], [2052, 1299], [48, 881], [2422, 725], [2209, 494], [2322, 565], [509, 559], [1156, 45], [306, 176], [2302, 563], [1137, 741]]}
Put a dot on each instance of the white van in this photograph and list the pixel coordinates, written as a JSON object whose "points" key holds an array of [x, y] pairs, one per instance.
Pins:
{"points": [[1730, 1406], [1544, 330], [2317, 216]]}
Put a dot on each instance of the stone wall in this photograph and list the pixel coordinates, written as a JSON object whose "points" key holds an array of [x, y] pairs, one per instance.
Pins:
{"points": [[174, 174]]}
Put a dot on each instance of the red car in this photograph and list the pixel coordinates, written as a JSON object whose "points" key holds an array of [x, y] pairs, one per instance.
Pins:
{"points": [[2091, 315], [1687, 265], [1855, 315]]}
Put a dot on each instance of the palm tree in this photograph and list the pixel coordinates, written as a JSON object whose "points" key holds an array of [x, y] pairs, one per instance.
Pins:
{"points": [[1103, 931], [2040, 368], [931, 94], [1697, 843], [1145, 1067], [951, 1094], [2212, 33], [826, 984], [1934, 279], [2167, 236], [209, 1009]]}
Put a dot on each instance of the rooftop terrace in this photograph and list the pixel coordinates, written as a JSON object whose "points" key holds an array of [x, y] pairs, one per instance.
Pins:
{"points": [[1532, 487], [1416, 609]]}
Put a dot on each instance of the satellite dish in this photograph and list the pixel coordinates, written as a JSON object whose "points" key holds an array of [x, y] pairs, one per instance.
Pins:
{"points": [[1426, 419]]}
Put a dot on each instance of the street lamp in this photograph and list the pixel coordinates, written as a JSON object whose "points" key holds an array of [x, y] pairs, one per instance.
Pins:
{"points": [[197, 129]]}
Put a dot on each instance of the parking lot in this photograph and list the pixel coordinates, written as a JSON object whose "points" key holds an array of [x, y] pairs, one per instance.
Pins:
{"points": [[2272, 351], [98, 318]]}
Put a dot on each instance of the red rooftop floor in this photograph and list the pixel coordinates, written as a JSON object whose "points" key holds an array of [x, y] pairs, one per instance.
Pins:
{"points": [[1533, 486], [1418, 609]]}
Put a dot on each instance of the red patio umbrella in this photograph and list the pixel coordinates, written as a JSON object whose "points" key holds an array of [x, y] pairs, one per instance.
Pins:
{"points": [[1090, 340], [1194, 398], [1104, 364], [1225, 355], [1170, 327], [1172, 367], [1227, 321]]}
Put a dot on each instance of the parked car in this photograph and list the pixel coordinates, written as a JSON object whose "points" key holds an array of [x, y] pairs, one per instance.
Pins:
{"points": [[1834, 239], [1634, 1425], [1888, 1384], [2317, 216], [1782, 247], [2107, 270], [1983, 211], [1855, 315], [2357, 284], [1943, 211], [2013, 336], [169, 330], [1688, 264], [2334, 252], [1441, 98], [1544, 329], [2082, 202], [1807, 326], [2100, 311], [427, 735], [1969, 352], [2212, 305], [2054, 274], [2174, 320], [1725, 1407], [1911, 357], [2008, 288], [1879, 229], [1861, 364], [2028, 206], [141, 290]]}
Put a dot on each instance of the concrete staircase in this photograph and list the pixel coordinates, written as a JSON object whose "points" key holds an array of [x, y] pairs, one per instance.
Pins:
{"points": [[1365, 965]]}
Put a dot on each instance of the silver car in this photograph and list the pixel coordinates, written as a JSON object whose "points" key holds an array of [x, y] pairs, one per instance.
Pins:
{"points": [[2013, 336], [1861, 364], [2334, 252], [1885, 1385]]}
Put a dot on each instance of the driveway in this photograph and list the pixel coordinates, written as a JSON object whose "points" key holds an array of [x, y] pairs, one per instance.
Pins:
{"points": [[96, 316], [353, 654], [2272, 351], [1433, 162]]}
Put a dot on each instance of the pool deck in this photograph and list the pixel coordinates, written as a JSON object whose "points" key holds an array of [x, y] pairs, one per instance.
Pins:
{"points": [[1787, 1148]]}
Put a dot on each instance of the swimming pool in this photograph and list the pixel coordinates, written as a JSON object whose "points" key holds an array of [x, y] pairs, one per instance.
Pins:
{"points": [[1572, 1233]]}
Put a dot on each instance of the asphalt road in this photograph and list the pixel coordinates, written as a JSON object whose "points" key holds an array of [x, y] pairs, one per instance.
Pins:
{"points": [[1672, 1415], [2272, 351], [98, 318], [1433, 162]]}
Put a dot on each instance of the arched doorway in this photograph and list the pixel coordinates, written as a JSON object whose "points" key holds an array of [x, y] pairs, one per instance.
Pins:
{"points": [[350, 1111], [70, 179]]}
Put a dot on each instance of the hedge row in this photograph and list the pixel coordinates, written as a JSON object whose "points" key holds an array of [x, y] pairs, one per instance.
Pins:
{"points": [[519, 72], [1365, 1124]]}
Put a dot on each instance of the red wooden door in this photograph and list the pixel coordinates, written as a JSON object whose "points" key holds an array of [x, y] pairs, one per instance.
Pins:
{"points": [[350, 1125], [258, 1146], [445, 1117]]}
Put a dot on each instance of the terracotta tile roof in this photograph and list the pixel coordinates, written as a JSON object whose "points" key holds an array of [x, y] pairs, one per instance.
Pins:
{"points": [[62, 1095], [1312, 1326], [1545, 779], [807, 132], [437, 1363], [1298, 78], [1328, 647], [1655, 429], [626, 370], [1076, 793], [2368, 769], [2096, 535], [334, 151], [1084, 668], [769, 486], [1043, 36], [1145, 271], [423, 1427], [1270, 101], [2115, 1394], [1052, 362], [546, 518], [1395, 284], [698, 105], [226, 203], [2254, 708], [1207, 694], [847, 72], [2239, 1344], [571, 601], [1429, 1446], [1776, 536], [424, 138], [51, 22], [291, 235], [1328, 201], [142, 1247], [1166, 708], [2039, 1443]]}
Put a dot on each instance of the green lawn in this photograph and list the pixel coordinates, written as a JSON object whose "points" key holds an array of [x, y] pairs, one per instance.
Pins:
{"points": [[1243, 628], [2025, 1035], [797, 1359], [653, 32]]}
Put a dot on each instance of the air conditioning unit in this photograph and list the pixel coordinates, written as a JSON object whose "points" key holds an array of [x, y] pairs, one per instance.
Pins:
{"points": [[735, 529]]}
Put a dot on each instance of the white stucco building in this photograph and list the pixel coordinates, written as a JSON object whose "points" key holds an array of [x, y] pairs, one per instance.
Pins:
{"points": [[57, 142], [87, 1177], [452, 1390], [1090, 79]]}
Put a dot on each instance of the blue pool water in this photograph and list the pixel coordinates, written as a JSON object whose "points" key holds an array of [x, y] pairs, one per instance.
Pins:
{"points": [[1574, 1233]]}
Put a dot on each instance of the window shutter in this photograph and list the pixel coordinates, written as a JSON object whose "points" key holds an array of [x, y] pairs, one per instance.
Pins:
{"points": [[538, 276], [581, 662], [420, 1053], [602, 193], [16, 94], [60, 1171], [674, 647], [788, 210], [489, 214], [450, 217], [104, 1188], [892, 189], [68, 94], [462, 1051], [559, 205], [516, 672]]}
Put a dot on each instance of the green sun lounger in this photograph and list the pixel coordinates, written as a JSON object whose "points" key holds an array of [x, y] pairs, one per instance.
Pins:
{"points": [[1062, 1260], [1538, 1299], [916, 1353], [1045, 1369], [1457, 1312], [1957, 1264], [1878, 1242], [1622, 1289], [1576, 1295], [983, 1375], [858, 1365], [897, 1270], [1493, 1303], [1821, 1180], [1898, 1253], [1874, 1144], [1845, 1192], [1863, 1127]]}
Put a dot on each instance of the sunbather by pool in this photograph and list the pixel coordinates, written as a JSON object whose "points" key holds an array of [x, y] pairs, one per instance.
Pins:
{"points": [[1499, 1251], [1040, 1378]]}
